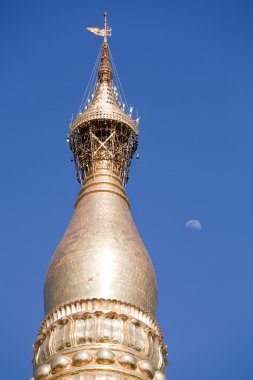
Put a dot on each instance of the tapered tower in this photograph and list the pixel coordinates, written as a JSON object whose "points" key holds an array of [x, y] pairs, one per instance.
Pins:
{"points": [[100, 291]]}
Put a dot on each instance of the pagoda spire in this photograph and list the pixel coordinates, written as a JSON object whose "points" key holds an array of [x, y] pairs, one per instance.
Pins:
{"points": [[100, 293], [105, 71], [105, 26], [104, 134]]}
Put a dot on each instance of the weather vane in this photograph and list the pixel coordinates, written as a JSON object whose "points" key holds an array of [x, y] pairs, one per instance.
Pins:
{"points": [[102, 32]]}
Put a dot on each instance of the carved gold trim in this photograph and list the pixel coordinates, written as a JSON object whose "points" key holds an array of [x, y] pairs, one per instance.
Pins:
{"points": [[95, 175], [98, 304], [101, 329], [102, 360], [101, 191], [103, 183]]}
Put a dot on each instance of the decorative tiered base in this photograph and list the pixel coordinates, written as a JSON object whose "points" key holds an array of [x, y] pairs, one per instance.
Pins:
{"points": [[103, 339]]}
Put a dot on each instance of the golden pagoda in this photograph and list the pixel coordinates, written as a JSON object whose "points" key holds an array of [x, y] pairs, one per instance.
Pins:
{"points": [[100, 291]]}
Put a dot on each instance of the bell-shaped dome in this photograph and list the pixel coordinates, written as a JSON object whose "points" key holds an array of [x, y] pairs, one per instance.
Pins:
{"points": [[101, 254]]}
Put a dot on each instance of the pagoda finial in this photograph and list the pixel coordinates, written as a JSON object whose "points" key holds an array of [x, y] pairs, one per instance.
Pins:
{"points": [[102, 32], [105, 25]]}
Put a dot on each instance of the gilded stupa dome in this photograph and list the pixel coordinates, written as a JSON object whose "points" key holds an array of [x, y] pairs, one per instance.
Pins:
{"points": [[100, 293], [101, 254]]}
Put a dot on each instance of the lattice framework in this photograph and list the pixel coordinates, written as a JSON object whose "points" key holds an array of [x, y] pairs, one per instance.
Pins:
{"points": [[103, 142]]}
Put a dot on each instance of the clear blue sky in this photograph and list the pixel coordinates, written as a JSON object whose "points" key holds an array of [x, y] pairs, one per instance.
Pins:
{"points": [[187, 66]]}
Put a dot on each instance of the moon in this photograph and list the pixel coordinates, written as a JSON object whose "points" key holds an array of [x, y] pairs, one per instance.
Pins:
{"points": [[193, 224]]}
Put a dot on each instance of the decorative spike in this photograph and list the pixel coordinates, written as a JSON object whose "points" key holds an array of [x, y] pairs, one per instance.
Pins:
{"points": [[105, 70]]}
